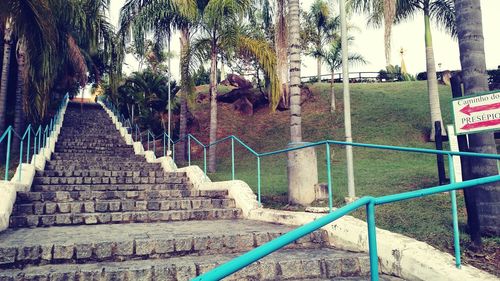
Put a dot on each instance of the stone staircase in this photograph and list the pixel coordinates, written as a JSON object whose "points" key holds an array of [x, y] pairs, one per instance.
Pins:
{"points": [[99, 212]]}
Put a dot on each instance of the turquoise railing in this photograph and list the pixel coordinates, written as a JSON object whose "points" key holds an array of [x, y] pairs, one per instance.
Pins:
{"points": [[369, 202], [41, 138]]}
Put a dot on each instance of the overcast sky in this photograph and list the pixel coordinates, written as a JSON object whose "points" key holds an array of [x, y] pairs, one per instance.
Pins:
{"points": [[370, 43]]}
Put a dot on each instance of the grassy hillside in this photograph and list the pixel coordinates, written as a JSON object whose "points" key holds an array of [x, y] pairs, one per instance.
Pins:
{"points": [[383, 113]]}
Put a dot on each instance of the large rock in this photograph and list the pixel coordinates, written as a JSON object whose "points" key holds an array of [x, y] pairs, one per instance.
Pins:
{"points": [[237, 81]]}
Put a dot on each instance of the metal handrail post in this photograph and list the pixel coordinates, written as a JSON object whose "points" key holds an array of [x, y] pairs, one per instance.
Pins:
{"points": [[205, 159], [164, 154], [453, 195], [329, 177], [7, 160], [372, 239], [20, 160], [173, 152], [148, 140], [189, 150], [232, 159], [258, 181], [28, 146]]}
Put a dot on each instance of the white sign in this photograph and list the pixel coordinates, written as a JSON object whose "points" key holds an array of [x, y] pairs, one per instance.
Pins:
{"points": [[477, 113]]}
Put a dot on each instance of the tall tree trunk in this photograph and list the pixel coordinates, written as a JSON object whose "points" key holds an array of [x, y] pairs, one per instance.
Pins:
{"points": [[332, 91], [19, 120], [472, 59], [295, 48], [213, 110], [281, 34], [432, 84], [4, 82], [186, 89]]}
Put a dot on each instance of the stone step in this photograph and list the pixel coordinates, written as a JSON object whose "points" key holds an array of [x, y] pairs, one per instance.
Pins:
{"points": [[123, 217], [110, 187], [382, 277], [95, 162], [123, 166], [105, 173], [93, 149], [148, 195], [286, 264], [78, 207], [160, 179], [80, 244], [90, 158]]}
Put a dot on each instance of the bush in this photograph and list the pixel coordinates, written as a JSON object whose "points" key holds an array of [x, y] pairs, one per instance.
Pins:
{"points": [[422, 76], [201, 76], [494, 76]]}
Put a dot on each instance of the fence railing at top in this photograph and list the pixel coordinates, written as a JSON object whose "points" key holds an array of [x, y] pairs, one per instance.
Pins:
{"points": [[327, 143], [41, 139]]}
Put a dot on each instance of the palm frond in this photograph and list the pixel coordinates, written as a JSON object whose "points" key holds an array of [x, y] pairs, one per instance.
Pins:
{"points": [[266, 57], [443, 12]]}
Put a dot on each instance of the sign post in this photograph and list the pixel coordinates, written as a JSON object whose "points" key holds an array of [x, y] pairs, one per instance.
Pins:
{"points": [[478, 113]]}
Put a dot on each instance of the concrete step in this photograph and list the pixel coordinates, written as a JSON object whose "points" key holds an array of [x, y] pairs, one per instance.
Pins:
{"points": [[106, 173], [81, 244], [106, 206], [123, 217], [123, 166], [143, 195], [96, 150], [287, 264], [92, 158], [109, 180], [110, 187]]}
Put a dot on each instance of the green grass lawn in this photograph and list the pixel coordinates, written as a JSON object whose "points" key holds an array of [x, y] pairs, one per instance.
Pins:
{"points": [[382, 113]]}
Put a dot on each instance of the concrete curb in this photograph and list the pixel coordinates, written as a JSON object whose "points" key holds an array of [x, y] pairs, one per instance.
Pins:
{"points": [[24, 175]]}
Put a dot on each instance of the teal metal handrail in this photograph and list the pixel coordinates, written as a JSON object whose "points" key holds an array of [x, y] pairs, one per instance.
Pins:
{"points": [[369, 202], [39, 141]]}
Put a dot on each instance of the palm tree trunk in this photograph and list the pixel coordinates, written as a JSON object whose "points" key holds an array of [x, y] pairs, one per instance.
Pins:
{"points": [[213, 110], [332, 91], [281, 47], [472, 59], [432, 84], [295, 48], [19, 120], [186, 87], [4, 82]]}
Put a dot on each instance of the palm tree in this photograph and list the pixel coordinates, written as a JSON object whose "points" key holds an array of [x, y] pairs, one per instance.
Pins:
{"points": [[19, 119], [218, 23], [322, 26], [333, 58], [475, 79], [440, 11], [161, 17], [380, 11], [281, 47], [7, 49], [295, 61]]}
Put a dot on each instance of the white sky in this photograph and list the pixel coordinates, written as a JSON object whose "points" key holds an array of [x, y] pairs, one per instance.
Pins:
{"points": [[369, 42]]}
